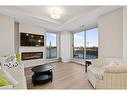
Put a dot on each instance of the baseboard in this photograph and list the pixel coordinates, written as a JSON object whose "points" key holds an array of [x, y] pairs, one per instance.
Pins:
{"points": [[82, 62]]}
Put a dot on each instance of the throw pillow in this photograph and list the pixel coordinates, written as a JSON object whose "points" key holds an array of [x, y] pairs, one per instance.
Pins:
{"points": [[8, 76], [18, 57], [9, 61], [3, 81]]}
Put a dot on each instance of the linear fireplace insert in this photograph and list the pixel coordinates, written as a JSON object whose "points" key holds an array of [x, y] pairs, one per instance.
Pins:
{"points": [[32, 55]]}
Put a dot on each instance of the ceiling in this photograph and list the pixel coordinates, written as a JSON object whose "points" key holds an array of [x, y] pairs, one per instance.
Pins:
{"points": [[72, 17]]}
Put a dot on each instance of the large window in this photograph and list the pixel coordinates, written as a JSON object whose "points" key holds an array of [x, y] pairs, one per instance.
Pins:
{"points": [[78, 49], [92, 43], [51, 45], [86, 44]]}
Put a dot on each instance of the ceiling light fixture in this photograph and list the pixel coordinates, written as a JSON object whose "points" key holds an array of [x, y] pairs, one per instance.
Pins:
{"points": [[55, 16], [55, 12]]}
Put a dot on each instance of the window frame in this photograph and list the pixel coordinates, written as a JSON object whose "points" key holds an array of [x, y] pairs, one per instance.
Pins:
{"points": [[89, 28]]}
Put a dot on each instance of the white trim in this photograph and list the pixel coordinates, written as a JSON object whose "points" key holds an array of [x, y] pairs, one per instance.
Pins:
{"points": [[51, 60], [79, 61]]}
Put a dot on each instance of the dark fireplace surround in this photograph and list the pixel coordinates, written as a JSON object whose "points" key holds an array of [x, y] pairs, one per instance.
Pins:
{"points": [[31, 55]]}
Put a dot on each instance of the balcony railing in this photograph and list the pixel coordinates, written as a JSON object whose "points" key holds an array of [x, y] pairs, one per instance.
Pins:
{"points": [[51, 52], [91, 53]]}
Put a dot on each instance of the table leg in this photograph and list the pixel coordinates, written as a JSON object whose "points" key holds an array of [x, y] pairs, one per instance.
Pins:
{"points": [[51, 76]]}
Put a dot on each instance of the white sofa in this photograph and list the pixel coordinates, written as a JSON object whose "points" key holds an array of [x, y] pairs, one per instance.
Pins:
{"points": [[19, 75], [17, 72], [108, 74]]}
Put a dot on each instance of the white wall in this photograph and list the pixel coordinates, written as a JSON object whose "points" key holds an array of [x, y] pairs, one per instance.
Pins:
{"points": [[125, 33], [6, 35], [111, 34], [65, 44], [34, 30]]}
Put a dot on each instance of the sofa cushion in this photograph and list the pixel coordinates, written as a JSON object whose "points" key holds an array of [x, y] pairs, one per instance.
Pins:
{"points": [[118, 68], [17, 71], [8, 76], [113, 61], [3, 80], [97, 72], [99, 62]]}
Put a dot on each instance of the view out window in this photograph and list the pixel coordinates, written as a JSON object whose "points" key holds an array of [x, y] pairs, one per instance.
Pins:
{"points": [[78, 49], [51, 45], [86, 44], [92, 43]]}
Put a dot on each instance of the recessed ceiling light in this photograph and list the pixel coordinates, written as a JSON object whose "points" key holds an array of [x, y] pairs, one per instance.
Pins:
{"points": [[27, 34], [39, 41], [32, 36]]}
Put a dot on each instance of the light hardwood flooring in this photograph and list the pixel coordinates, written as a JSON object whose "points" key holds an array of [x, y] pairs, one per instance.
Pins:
{"points": [[65, 76]]}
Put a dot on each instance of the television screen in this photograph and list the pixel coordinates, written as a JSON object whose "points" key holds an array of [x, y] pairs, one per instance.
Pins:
{"points": [[27, 39]]}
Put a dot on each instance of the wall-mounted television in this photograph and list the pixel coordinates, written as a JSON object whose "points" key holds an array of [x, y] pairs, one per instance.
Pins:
{"points": [[27, 39]]}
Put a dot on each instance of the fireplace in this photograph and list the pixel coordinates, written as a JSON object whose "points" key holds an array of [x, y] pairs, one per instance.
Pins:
{"points": [[32, 55]]}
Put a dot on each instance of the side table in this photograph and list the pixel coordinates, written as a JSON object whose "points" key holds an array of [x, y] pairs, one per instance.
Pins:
{"points": [[87, 63]]}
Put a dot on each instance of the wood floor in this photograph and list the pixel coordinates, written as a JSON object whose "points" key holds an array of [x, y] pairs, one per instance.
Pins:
{"points": [[65, 76]]}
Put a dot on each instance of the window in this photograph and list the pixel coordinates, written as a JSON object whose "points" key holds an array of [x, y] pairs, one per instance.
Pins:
{"points": [[78, 49], [92, 43], [51, 45], [86, 44]]}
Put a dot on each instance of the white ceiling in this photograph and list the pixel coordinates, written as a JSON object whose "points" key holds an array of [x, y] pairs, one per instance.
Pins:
{"points": [[72, 17]]}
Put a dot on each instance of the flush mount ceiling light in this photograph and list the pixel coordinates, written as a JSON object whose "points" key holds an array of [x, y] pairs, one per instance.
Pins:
{"points": [[55, 16], [55, 12]]}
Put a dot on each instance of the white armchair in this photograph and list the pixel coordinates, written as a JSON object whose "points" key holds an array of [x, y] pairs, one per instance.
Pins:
{"points": [[105, 75]]}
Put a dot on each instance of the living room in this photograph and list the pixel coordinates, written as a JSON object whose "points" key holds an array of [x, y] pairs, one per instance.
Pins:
{"points": [[49, 35]]}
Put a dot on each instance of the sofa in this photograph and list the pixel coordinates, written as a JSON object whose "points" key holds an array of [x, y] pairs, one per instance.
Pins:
{"points": [[13, 71], [108, 73]]}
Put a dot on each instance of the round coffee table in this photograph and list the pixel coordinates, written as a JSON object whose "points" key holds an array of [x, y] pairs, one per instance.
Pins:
{"points": [[42, 74]]}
